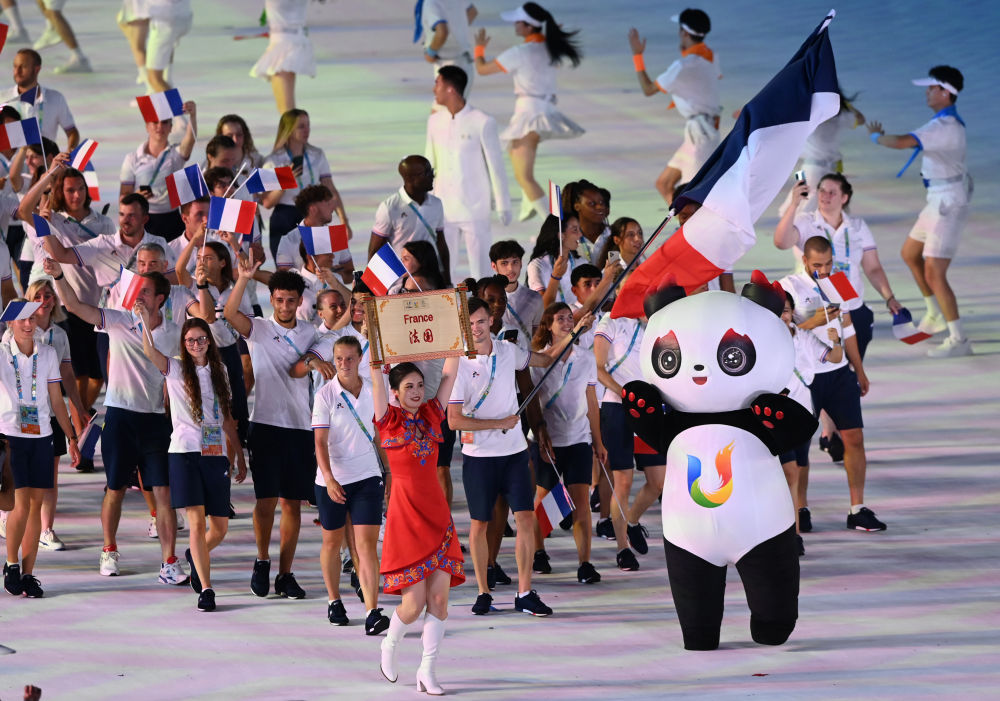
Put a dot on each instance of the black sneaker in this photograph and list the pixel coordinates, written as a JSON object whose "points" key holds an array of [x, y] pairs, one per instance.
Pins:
{"points": [[801, 545], [376, 622], [336, 613], [482, 605], [12, 579], [586, 574], [491, 578], [85, 465], [805, 520], [864, 520], [356, 586], [232, 510], [541, 564], [833, 445], [195, 579], [206, 600], [500, 575], [347, 565], [605, 529], [286, 586], [508, 532], [627, 561], [637, 538], [530, 603], [260, 580], [595, 501], [31, 587]]}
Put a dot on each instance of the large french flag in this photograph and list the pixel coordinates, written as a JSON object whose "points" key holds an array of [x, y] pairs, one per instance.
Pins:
{"points": [[743, 175], [231, 215], [185, 185], [22, 133], [161, 105], [383, 270], [81, 155], [837, 288], [266, 179], [131, 285], [90, 177], [553, 508], [324, 239]]}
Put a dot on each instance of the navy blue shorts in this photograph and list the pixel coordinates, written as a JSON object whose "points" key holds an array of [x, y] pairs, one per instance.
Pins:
{"points": [[200, 480], [487, 478], [364, 504], [864, 326], [83, 347], [282, 462], [58, 439], [133, 438], [574, 464], [620, 442], [447, 447], [837, 392], [798, 454], [32, 462], [234, 367], [103, 344]]}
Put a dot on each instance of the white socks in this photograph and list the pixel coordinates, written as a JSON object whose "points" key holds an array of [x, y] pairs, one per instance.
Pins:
{"points": [[14, 20], [856, 508], [955, 330], [932, 305]]}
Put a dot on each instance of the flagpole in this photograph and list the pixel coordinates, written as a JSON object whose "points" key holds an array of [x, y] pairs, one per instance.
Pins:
{"points": [[243, 166], [604, 299]]}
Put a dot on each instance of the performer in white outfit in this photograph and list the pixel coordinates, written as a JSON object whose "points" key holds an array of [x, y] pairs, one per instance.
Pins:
{"points": [[693, 82], [464, 151], [444, 26], [532, 65], [289, 51], [169, 20]]}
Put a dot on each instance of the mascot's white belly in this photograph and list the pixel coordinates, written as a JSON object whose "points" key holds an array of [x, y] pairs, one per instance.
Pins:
{"points": [[723, 493]]}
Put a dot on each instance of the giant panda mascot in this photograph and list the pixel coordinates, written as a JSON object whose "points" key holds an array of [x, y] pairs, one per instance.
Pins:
{"points": [[715, 364]]}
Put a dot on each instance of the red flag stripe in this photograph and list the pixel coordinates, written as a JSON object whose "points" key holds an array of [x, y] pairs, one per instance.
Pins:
{"points": [[286, 178], [175, 199], [843, 286], [245, 220]]}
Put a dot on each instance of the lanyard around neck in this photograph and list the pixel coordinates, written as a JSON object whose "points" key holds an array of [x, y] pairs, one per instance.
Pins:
{"points": [[17, 374]]}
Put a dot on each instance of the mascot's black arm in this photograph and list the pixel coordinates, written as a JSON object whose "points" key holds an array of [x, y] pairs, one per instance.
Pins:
{"points": [[779, 422]]}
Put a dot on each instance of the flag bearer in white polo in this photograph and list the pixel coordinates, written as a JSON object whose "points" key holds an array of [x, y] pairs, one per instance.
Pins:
{"points": [[693, 83], [933, 240]]}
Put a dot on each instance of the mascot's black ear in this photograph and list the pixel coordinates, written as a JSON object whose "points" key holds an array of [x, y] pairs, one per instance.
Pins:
{"points": [[669, 291], [769, 295]]}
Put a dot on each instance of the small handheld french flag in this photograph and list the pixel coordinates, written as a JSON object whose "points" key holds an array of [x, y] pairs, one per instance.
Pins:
{"points": [[553, 508], [836, 289], [904, 329], [22, 133], [324, 239], [82, 153], [16, 311], [383, 270], [90, 177], [41, 226], [91, 436], [161, 105], [231, 215], [265, 180], [555, 200], [131, 285], [185, 185]]}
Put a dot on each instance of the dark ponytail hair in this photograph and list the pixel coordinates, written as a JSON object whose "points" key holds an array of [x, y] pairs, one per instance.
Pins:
{"points": [[559, 44], [547, 243]]}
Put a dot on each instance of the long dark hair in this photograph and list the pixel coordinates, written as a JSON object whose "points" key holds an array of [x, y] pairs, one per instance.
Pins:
{"points": [[57, 198], [559, 44], [543, 334], [220, 381], [426, 256], [221, 252], [547, 243]]}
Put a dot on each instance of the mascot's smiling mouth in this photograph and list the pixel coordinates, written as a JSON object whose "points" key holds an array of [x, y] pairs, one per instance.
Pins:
{"points": [[700, 380]]}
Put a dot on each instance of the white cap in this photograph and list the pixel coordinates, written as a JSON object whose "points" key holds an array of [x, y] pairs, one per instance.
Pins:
{"points": [[519, 15], [934, 81], [676, 19]]}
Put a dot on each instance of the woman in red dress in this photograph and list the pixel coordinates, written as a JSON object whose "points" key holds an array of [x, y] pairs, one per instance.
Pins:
{"points": [[421, 557]]}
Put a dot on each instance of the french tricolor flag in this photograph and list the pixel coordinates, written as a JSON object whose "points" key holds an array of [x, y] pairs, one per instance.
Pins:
{"points": [[836, 289], [41, 226], [90, 177], [905, 330], [555, 200], [4, 28], [266, 179], [22, 133], [16, 311], [130, 284], [231, 215], [81, 155], [324, 239], [185, 185], [161, 105], [383, 270], [553, 508], [743, 175], [91, 436]]}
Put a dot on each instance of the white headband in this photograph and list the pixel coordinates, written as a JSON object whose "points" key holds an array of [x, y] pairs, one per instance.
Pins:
{"points": [[934, 81], [520, 15]]}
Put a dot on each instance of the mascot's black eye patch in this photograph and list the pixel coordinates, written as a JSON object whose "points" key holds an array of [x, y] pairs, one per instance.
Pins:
{"points": [[736, 354], [666, 356]]}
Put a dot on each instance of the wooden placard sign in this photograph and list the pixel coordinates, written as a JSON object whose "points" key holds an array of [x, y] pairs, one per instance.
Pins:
{"points": [[419, 326]]}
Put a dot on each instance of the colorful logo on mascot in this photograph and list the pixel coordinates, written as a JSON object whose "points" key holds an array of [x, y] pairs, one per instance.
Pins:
{"points": [[723, 464]]}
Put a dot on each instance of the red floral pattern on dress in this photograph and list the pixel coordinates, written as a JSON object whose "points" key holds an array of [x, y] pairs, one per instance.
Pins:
{"points": [[418, 572]]}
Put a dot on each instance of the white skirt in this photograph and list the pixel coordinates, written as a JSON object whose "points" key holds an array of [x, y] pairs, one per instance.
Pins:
{"points": [[286, 52], [539, 115]]}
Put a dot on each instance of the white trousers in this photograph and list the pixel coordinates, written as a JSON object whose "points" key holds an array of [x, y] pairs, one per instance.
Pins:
{"points": [[477, 238]]}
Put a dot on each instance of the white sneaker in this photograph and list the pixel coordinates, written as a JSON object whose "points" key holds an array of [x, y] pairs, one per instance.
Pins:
{"points": [[50, 37], [3, 524], [951, 348], [75, 65], [151, 529], [109, 563], [932, 323], [50, 541], [180, 519], [19, 38], [173, 574]]}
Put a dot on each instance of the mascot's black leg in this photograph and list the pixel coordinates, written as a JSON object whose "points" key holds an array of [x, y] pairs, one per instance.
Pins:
{"points": [[770, 574], [699, 589]]}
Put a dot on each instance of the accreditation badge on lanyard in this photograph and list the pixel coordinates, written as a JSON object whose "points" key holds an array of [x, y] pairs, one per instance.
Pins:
{"points": [[27, 413], [211, 434]]}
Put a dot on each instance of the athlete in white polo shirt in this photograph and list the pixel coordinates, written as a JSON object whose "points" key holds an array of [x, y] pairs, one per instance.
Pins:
{"points": [[933, 240], [48, 105]]}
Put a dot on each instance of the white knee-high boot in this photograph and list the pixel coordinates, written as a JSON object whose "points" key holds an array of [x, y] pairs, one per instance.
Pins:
{"points": [[433, 633], [390, 645], [541, 205]]}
